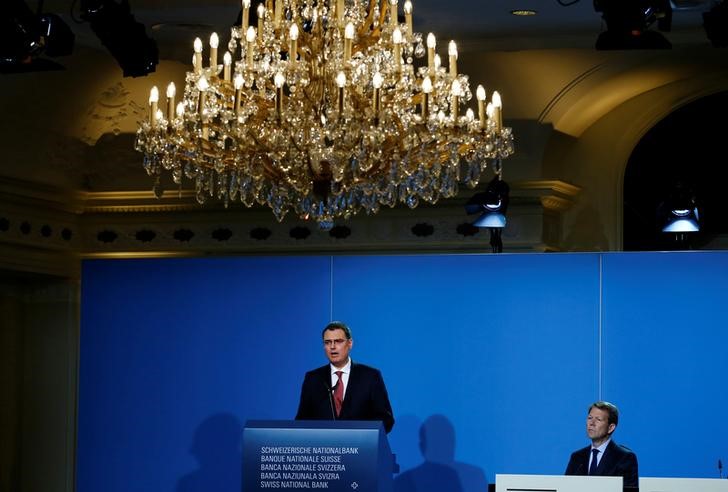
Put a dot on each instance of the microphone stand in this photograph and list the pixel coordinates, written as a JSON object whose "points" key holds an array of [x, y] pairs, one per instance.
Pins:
{"points": [[330, 392]]}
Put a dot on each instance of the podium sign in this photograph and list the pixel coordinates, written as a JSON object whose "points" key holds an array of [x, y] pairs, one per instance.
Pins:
{"points": [[351, 456], [556, 483]]}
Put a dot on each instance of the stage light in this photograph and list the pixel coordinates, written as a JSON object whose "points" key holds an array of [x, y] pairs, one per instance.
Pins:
{"points": [[683, 220], [123, 36], [678, 214], [492, 204], [628, 23], [24, 36], [57, 36]]}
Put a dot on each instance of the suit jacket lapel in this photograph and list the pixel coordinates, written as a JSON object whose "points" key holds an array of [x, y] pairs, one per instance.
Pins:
{"points": [[584, 461], [607, 461], [353, 377], [325, 375]]}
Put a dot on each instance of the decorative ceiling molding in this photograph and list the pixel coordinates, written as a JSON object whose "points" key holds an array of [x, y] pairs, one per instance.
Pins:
{"points": [[621, 77], [25, 193], [138, 201], [556, 204], [548, 185]]}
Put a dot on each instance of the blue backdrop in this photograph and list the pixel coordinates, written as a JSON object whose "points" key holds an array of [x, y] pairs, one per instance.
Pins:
{"points": [[490, 360]]}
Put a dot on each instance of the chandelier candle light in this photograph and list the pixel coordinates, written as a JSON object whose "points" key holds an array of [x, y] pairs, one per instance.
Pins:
{"points": [[324, 114]]}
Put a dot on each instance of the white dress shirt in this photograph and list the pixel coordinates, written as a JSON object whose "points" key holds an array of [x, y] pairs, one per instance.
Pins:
{"points": [[344, 377], [601, 449]]}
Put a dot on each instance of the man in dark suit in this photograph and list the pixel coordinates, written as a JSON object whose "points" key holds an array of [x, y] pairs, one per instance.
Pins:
{"points": [[342, 389], [604, 457]]}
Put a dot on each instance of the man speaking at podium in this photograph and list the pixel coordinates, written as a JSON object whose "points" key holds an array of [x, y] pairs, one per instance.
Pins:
{"points": [[604, 457], [343, 389]]}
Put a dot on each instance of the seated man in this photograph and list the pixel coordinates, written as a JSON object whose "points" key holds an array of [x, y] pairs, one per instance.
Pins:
{"points": [[604, 457]]}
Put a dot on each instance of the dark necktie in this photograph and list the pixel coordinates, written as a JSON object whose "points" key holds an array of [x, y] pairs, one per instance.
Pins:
{"points": [[339, 393], [593, 466]]}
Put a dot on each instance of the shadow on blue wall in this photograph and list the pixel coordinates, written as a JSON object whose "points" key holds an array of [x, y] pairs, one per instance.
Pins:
{"points": [[440, 471], [404, 441], [217, 448]]}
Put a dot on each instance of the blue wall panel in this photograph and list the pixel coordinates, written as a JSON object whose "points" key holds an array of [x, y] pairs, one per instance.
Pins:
{"points": [[666, 358], [493, 357], [494, 346], [177, 354]]}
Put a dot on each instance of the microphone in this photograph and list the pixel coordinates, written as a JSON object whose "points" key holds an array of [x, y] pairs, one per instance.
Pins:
{"points": [[330, 392]]}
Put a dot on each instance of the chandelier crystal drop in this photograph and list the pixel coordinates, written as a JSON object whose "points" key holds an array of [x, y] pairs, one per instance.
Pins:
{"points": [[323, 113]]}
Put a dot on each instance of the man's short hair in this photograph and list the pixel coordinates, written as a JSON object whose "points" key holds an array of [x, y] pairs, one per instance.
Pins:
{"points": [[337, 325], [610, 408]]}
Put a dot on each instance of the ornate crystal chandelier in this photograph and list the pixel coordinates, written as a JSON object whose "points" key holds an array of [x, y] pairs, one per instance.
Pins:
{"points": [[324, 113]]}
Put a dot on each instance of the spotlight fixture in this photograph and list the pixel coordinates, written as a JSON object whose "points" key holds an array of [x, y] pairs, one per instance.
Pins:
{"points": [[24, 36], [492, 204], [628, 23], [123, 36], [678, 214], [682, 220]]}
